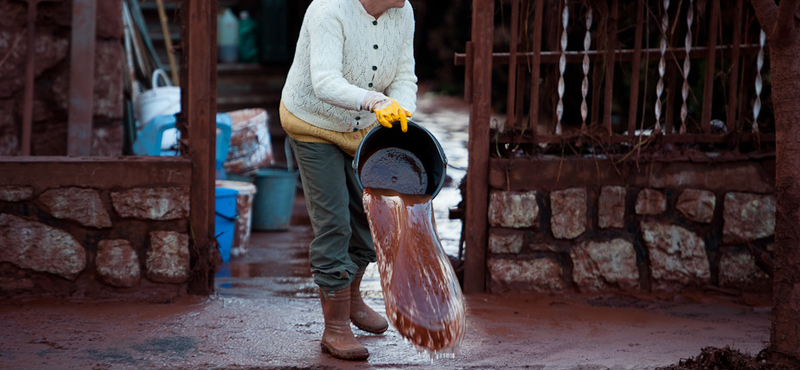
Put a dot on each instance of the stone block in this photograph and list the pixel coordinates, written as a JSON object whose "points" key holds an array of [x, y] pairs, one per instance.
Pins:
{"points": [[603, 265], [739, 270], [49, 138], [542, 274], [13, 15], [697, 205], [9, 144], [748, 176], [42, 110], [16, 283], [747, 216], [677, 256], [505, 243], [36, 246], [568, 218], [152, 203], [58, 12], [109, 19], [77, 204], [50, 50], [60, 91], [650, 202], [117, 263], [513, 209], [9, 131], [107, 140], [108, 96], [168, 257], [611, 207], [15, 193]]}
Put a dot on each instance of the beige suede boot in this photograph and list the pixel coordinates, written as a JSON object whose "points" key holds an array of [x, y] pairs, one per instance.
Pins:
{"points": [[362, 316], [338, 339]]}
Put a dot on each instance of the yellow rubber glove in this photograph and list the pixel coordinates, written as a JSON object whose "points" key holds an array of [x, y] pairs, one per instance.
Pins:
{"points": [[391, 112]]}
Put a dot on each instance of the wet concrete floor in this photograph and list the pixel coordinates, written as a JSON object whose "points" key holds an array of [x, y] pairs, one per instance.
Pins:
{"points": [[266, 315]]}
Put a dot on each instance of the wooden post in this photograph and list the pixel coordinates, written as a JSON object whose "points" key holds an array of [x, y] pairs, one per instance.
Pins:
{"points": [[611, 53], [733, 86], [600, 40], [535, 66], [478, 170], [637, 59], [467, 71], [198, 119], [512, 67], [81, 78]]}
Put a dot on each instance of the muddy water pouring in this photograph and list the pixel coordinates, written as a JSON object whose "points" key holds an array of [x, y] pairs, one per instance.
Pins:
{"points": [[401, 173]]}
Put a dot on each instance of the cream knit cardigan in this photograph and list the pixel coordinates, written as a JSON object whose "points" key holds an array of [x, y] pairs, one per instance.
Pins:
{"points": [[342, 52]]}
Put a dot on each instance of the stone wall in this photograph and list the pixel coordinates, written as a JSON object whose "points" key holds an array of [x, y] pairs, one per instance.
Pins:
{"points": [[95, 229], [593, 226], [52, 69]]}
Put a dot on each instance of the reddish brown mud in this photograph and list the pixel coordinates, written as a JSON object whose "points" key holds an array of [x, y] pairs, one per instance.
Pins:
{"points": [[266, 316], [421, 293]]}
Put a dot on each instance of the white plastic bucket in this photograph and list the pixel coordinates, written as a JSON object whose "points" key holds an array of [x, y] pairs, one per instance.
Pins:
{"points": [[244, 208], [158, 101]]}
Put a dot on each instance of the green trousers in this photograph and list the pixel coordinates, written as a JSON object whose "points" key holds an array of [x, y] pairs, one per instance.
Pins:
{"points": [[342, 241]]}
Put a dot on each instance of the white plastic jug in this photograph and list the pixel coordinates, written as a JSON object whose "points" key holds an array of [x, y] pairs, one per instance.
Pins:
{"points": [[158, 101], [227, 37]]}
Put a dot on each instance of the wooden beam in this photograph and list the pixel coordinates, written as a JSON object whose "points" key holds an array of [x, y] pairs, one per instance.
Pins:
{"points": [[102, 172], [626, 55], [477, 172], [198, 120], [515, 137], [81, 78], [541, 174]]}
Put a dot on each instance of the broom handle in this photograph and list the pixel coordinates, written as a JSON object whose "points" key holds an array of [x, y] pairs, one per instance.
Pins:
{"points": [[168, 41]]}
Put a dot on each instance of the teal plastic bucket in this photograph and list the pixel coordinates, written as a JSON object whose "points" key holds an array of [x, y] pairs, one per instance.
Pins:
{"points": [[225, 220], [272, 206]]}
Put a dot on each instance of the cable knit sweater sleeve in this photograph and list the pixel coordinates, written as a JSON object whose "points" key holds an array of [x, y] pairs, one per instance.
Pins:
{"points": [[326, 43], [342, 53]]}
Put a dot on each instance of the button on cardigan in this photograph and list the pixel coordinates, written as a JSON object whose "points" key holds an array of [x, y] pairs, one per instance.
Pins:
{"points": [[335, 63]]}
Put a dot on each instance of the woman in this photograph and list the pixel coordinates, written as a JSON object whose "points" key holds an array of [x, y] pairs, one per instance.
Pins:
{"points": [[354, 58]]}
